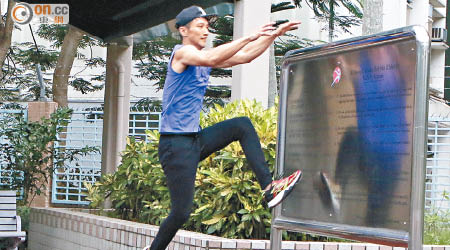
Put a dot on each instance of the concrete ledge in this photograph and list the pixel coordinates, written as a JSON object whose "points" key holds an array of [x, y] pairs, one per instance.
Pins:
{"points": [[63, 229]]}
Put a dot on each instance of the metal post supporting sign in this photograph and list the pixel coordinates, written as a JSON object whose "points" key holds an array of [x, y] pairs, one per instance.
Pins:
{"points": [[353, 118]]}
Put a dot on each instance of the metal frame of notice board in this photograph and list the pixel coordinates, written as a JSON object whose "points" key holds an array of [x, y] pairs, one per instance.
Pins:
{"points": [[289, 215]]}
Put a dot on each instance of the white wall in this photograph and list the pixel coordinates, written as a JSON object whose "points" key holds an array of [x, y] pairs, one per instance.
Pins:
{"points": [[437, 63], [419, 13], [394, 14]]}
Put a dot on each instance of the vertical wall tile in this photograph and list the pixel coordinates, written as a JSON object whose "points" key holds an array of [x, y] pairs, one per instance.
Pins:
{"points": [[290, 245], [258, 245], [303, 246], [139, 241], [372, 247], [229, 244], [212, 244], [241, 244], [358, 247]]}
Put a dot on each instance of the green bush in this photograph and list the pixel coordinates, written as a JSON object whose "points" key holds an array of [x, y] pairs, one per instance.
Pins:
{"points": [[437, 228], [138, 188], [437, 225], [228, 199], [27, 155]]}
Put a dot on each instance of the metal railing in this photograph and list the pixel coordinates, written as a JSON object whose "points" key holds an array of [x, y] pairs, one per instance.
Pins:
{"points": [[438, 164], [85, 129], [141, 120]]}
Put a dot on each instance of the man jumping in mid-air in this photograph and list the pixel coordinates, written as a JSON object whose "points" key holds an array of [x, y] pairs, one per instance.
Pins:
{"points": [[183, 144]]}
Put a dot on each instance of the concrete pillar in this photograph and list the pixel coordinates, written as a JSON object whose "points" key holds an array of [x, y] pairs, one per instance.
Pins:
{"points": [[251, 81], [372, 20], [437, 71], [36, 111], [117, 102], [419, 14]]}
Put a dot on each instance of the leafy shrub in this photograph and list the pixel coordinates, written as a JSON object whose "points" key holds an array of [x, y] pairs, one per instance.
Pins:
{"points": [[228, 199], [138, 188], [27, 155], [437, 225]]}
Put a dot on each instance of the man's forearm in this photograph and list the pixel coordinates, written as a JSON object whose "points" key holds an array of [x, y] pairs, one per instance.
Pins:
{"points": [[251, 51], [225, 51], [254, 49]]}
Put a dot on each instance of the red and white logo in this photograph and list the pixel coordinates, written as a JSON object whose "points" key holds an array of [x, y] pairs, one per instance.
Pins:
{"points": [[336, 76]]}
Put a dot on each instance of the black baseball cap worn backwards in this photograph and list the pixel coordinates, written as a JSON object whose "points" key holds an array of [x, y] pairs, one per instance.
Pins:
{"points": [[190, 13]]}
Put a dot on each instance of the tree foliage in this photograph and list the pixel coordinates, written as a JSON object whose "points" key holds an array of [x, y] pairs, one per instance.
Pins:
{"points": [[152, 57], [281, 6], [55, 33], [20, 70], [70, 40]]}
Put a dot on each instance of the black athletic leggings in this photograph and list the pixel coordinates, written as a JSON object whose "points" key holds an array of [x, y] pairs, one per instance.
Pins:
{"points": [[179, 156]]}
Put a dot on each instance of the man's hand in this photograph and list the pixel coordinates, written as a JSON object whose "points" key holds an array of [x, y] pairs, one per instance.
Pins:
{"points": [[285, 27], [265, 30], [257, 43]]}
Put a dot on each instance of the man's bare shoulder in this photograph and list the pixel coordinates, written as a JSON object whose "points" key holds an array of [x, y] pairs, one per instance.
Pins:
{"points": [[189, 55], [186, 49], [185, 56]]}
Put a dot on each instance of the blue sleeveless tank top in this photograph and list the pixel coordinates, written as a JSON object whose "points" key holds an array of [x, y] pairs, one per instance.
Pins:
{"points": [[183, 98]]}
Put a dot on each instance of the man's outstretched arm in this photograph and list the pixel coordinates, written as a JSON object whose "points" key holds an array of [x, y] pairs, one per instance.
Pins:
{"points": [[254, 49], [190, 55]]}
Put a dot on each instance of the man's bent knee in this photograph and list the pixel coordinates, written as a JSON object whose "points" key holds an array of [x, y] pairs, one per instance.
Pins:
{"points": [[180, 217], [244, 121]]}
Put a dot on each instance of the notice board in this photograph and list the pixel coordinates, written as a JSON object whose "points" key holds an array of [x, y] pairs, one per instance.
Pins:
{"points": [[353, 118]]}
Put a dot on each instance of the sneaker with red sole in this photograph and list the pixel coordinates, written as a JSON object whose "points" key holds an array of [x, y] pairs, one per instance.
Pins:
{"points": [[280, 189]]}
